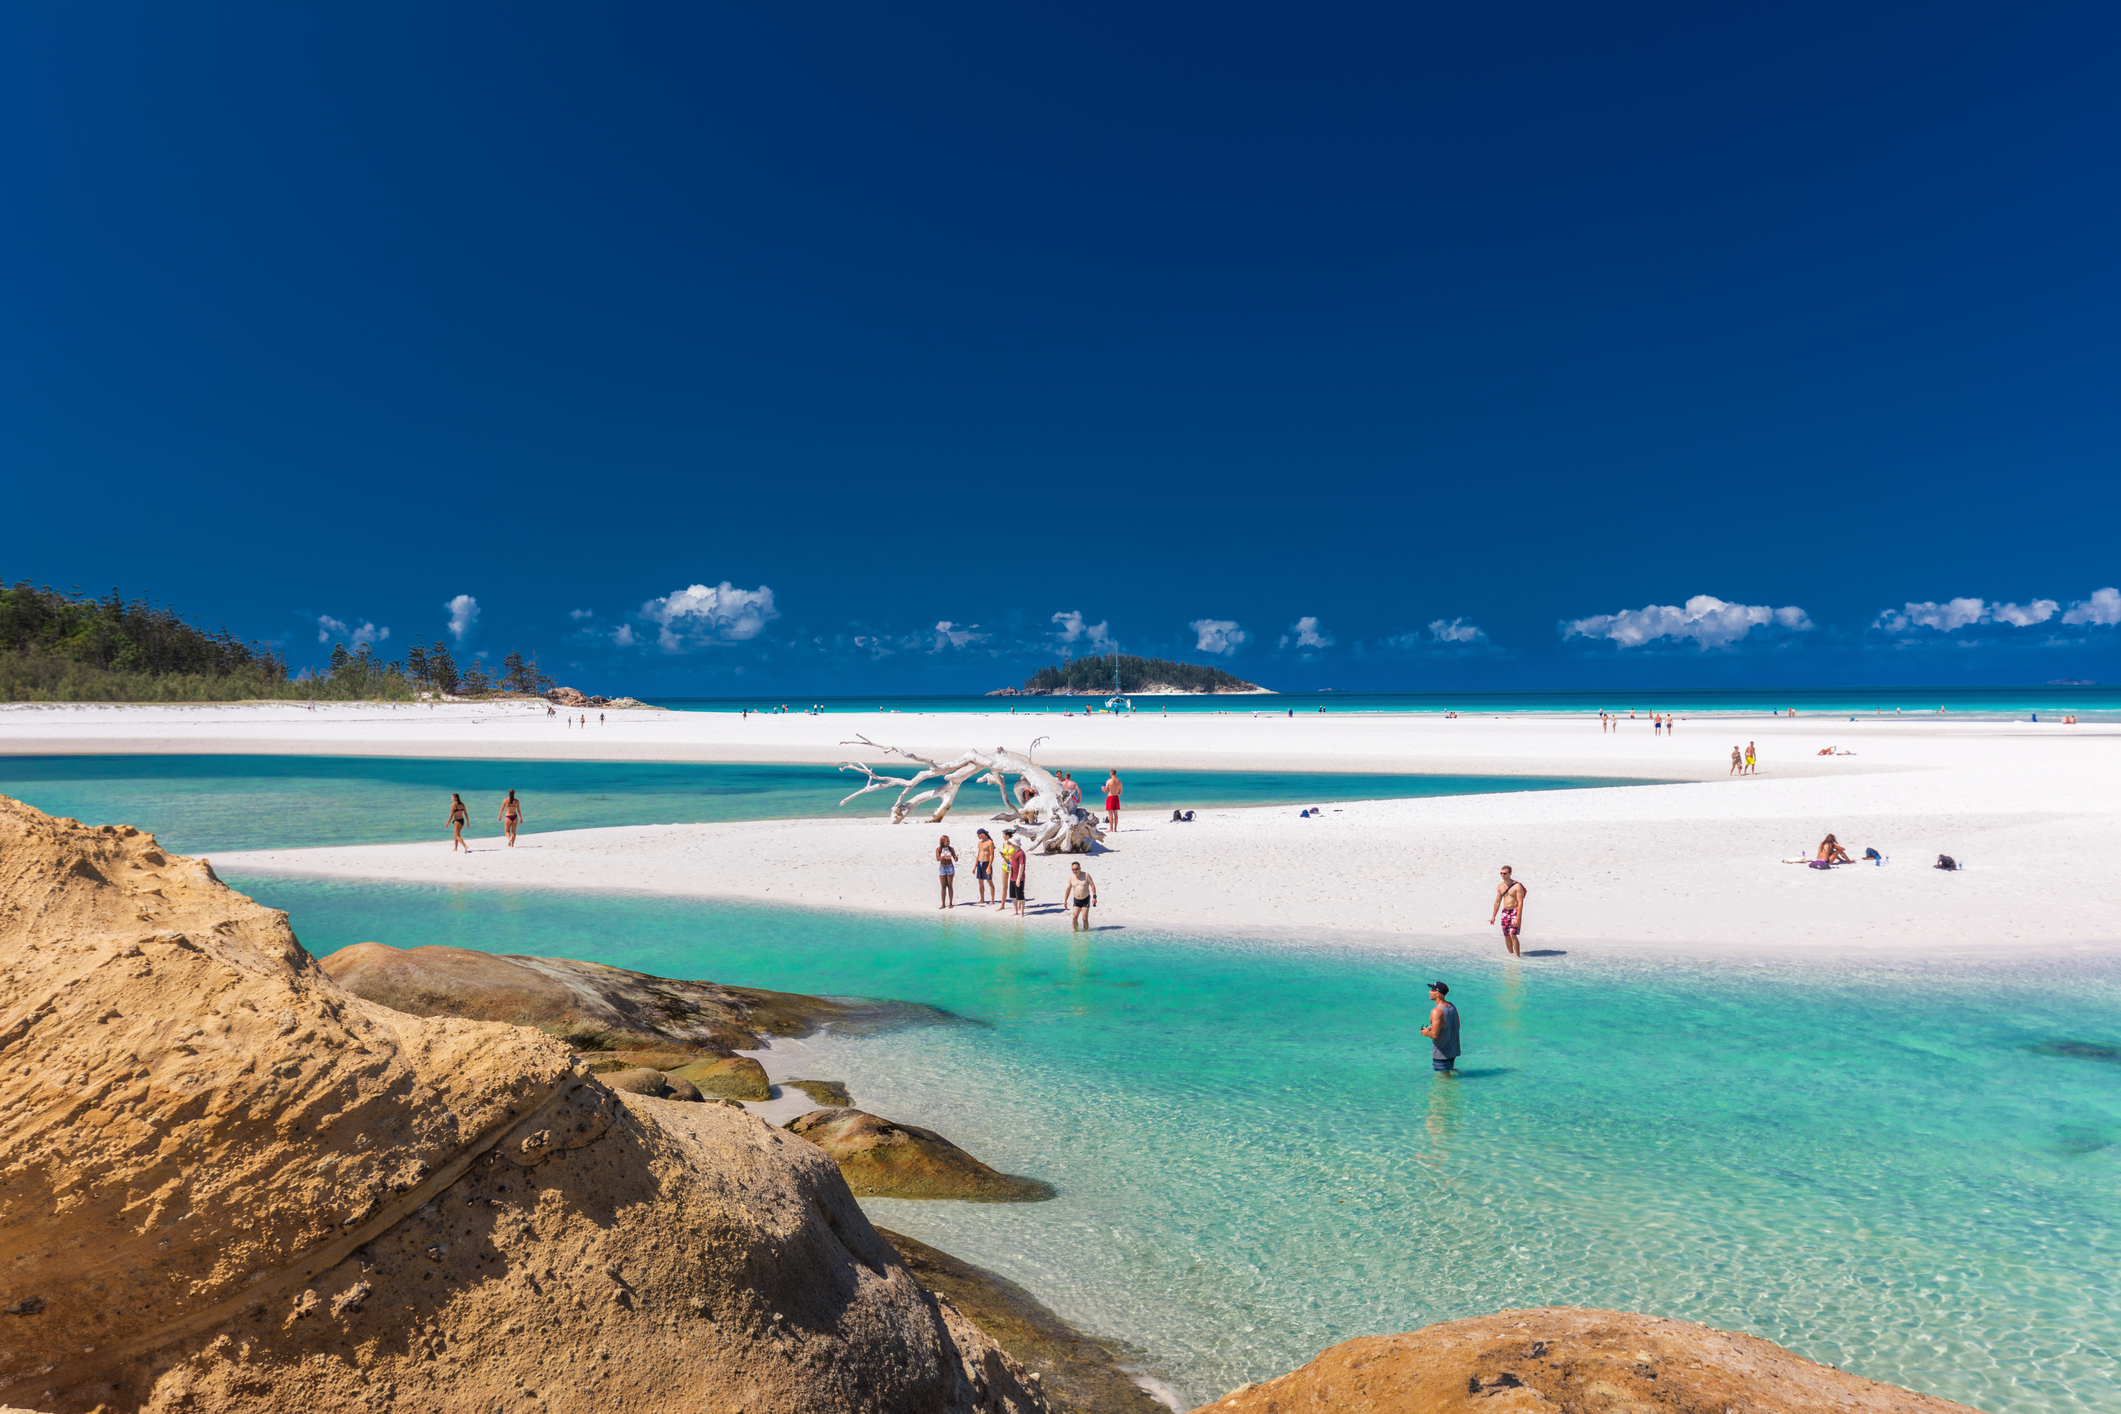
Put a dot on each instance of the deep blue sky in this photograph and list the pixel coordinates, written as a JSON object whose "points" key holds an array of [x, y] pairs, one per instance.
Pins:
{"points": [[1507, 317]]}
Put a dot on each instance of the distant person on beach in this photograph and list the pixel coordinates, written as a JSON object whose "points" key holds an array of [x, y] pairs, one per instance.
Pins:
{"points": [[1082, 893], [1509, 906], [983, 867], [1831, 851], [946, 871], [459, 817], [1019, 860], [1112, 790], [1442, 1031], [511, 816], [1737, 761], [1752, 761]]}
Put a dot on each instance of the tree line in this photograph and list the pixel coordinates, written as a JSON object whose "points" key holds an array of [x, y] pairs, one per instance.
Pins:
{"points": [[69, 647], [1087, 677]]}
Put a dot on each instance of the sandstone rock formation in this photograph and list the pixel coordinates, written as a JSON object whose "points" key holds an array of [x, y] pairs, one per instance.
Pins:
{"points": [[618, 1019], [884, 1160], [1078, 1373], [826, 1094], [1571, 1360], [227, 1183]]}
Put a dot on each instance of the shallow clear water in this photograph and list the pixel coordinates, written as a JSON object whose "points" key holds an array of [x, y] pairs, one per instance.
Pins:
{"points": [[1895, 1169], [207, 803]]}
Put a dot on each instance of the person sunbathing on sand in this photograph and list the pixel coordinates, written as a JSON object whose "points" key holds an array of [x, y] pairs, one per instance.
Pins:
{"points": [[1831, 851]]}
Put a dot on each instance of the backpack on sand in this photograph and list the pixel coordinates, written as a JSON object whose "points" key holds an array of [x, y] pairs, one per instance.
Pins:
{"points": [[1945, 861]]}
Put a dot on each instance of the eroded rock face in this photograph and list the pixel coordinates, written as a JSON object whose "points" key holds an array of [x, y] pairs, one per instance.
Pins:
{"points": [[1565, 1359], [881, 1159], [227, 1183]]}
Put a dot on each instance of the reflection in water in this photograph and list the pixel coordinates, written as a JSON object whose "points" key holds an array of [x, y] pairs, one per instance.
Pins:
{"points": [[1444, 1103]]}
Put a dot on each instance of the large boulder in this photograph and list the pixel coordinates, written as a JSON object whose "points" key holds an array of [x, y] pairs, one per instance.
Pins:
{"points": [[1566, 1359], [228, 1183], [880, 1159]]}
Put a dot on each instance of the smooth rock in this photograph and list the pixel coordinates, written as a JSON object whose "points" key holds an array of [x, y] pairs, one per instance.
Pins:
{"points": [[1565, 1359], [880, 1159], [831, 1094], [730, 1077], [233, 1185]]}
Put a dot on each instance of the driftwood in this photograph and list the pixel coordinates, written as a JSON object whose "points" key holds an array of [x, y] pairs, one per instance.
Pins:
{"points": [[1046, 821]]}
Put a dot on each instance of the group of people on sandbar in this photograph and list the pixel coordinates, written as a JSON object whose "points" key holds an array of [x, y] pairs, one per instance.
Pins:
{"points": [[1012, 861], [511, 816]]}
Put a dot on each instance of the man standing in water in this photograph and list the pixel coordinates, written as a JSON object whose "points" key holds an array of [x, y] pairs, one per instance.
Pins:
{"points": [[1509, 903], [1442, 1031]]}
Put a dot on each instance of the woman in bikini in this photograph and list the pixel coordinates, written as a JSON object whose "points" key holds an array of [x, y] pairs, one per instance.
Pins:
{"points": [[511, 816], [946, 871], [459, 817], [1831, 851]]}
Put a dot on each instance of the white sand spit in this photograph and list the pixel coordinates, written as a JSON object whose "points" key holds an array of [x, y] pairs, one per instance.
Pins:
{"points": [[2034, 810]]}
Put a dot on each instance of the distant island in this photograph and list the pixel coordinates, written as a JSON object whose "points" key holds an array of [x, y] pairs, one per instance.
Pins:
{"points": [[1092, 677]]}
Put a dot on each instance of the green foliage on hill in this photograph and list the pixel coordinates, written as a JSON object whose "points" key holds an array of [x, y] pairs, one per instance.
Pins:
{"points": [[57, 647], [1088, 677]]}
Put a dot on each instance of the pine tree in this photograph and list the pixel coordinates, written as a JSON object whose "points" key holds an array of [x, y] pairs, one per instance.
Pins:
{"points": [[441, 668], [339, 655], [416, 662]]}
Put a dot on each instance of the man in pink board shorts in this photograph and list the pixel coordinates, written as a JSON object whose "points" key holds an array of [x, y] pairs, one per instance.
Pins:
{"points": [[1509, 910]]}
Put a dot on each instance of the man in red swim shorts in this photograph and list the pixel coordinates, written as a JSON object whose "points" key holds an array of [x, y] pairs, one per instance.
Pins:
{"points": [[1509, 904], [1112, 790]]}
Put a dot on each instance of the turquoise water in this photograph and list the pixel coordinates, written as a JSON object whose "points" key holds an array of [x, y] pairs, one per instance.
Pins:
{"points": [[2101, 703], [198, 804], [1909, 1172]]}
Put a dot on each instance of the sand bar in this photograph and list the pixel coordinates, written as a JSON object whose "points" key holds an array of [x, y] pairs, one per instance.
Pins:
{"points": [[2035, 810]]}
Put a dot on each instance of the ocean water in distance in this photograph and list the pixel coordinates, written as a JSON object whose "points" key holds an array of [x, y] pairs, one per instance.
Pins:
{"points": [[2101, 703], [1908, 1171], [197, 804]]}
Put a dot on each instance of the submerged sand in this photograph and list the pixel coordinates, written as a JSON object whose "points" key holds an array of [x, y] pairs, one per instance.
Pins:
{"points": [[2033, 810]]}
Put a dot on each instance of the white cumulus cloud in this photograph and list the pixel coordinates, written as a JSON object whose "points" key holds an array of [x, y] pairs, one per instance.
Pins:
{"points": [[580, 614], [463, 613], [1097, 637], [364, 633], [624, 636], [704, 615], [950, 635], [1218, 635], [2104, 607], [1954, 614], [1456, 631], [1705, 619], [1307, 634], [2024, 615]]}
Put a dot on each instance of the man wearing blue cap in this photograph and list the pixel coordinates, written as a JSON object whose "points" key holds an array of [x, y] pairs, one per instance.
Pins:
{"points": [[1442, 1031]]}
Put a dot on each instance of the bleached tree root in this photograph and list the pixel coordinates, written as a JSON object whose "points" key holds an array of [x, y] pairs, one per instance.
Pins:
{"points": [[1046, 821]]}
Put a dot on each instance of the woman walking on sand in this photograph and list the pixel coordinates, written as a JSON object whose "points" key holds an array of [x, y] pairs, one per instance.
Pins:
{"points": [[1737, 761], [1112, 790], [946, 871], [511, 816], [459, 817], [983, 867]]}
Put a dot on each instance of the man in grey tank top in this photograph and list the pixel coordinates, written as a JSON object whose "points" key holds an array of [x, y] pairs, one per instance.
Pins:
{"points": [[1442, 1031]]}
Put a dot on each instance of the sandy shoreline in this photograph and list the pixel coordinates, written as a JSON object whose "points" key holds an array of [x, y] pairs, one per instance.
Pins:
{"points": [[2034, 810]]}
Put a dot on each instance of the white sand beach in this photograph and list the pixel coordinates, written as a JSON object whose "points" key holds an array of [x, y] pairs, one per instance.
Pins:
{"points": [[2033, 810]]}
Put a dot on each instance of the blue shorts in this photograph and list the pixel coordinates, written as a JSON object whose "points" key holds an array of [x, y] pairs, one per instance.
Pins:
{"points": [[1442, 1063]]}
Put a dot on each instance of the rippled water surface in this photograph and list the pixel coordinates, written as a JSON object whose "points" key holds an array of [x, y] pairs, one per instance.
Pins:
{"points": [[1910, 1173]]}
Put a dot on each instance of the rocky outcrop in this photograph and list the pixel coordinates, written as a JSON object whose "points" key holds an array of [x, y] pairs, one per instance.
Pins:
{"points": [[1565, 1359], [730, 1077], [1078, 1373], [880, 1159], [229, 1183], [828, 1094]]}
